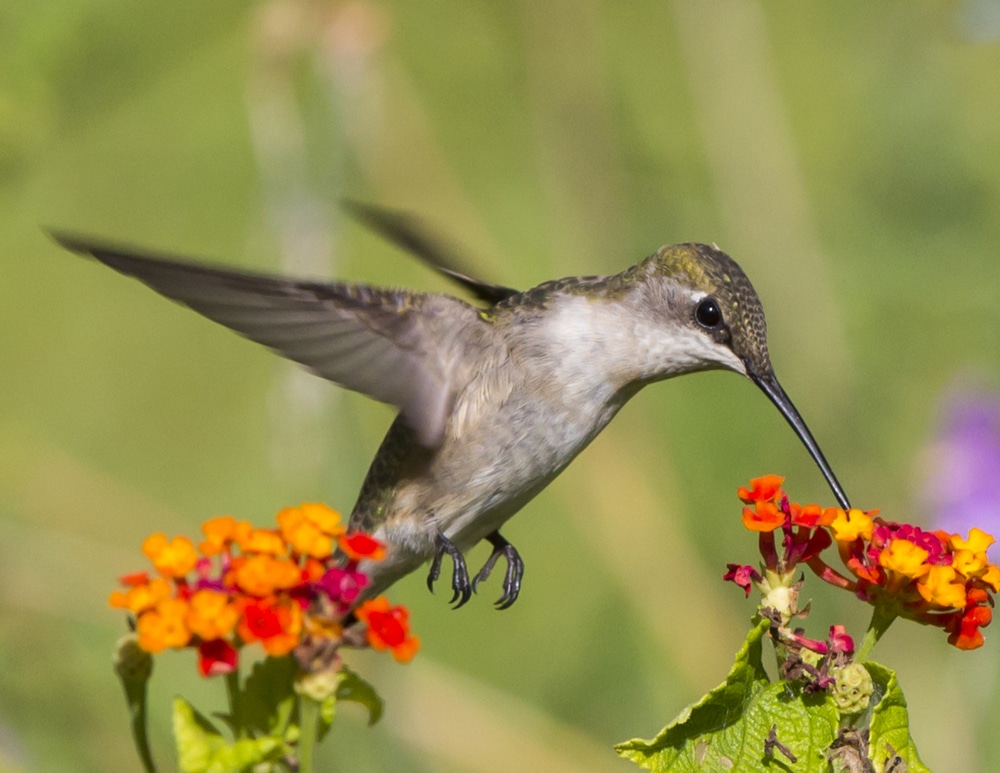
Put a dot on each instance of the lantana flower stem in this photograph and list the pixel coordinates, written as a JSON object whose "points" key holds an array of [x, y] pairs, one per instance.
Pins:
{"points": [[139, 734], [882, 618], [233, 696], [134, 667], [308, 724]]}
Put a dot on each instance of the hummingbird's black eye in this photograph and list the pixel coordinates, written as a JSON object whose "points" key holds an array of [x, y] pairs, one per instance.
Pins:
{"points": [[708, 314]]}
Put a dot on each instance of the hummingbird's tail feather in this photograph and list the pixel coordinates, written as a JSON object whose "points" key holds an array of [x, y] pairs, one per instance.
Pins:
{"points": [[382, 343]]}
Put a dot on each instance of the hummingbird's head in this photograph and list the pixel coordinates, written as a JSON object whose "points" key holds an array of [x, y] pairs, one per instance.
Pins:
{"points": [[708, 294]]}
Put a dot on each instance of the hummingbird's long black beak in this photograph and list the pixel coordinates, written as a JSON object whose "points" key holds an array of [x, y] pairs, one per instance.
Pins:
{"points": [[769, 386]]}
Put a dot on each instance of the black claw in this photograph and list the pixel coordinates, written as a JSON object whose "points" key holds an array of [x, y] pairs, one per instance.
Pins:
{"points": [[515, 570], [484, 573], [435, 572], [460, 585]]}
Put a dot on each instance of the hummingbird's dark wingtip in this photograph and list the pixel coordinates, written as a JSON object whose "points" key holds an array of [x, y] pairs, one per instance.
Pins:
{"points": [[87, 246], [409, 233], [364, 211], [394, 225], [70, 241]]}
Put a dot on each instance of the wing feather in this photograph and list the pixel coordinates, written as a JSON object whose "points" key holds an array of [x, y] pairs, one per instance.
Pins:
{"points": [[394, 346]]}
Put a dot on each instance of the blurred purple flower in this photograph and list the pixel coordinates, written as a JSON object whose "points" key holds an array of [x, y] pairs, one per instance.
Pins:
{"points": [[961, 481]]}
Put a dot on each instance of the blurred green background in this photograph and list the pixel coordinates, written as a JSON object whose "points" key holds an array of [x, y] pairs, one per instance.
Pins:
{"points": [[848, 155]]}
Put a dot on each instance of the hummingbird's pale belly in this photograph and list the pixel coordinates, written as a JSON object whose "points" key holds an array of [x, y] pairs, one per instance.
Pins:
{"points": [[511, 474], [532, 405], [474, 484]]}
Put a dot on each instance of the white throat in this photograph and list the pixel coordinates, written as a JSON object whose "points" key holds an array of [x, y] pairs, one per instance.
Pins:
{"points": [[591, 336]]}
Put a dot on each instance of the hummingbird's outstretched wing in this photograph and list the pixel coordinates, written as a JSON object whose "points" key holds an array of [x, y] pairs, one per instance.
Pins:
{"points": [[388, 344], [412, 234]]}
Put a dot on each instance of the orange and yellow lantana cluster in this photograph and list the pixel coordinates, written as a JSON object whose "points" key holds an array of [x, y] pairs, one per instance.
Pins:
{"points": [[933, 577], [243, 584]]}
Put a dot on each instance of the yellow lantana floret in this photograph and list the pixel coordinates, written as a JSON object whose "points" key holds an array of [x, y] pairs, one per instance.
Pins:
{"points": [[977, 542], [992, 577], [942, 586], [905, 558], [970, 563], [848, 525]]}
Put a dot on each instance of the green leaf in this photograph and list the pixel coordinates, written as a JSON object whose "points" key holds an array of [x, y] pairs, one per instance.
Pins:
{"points": [[728, 729], [268, 696], [202, 749], [353, 688], [889, 734]]}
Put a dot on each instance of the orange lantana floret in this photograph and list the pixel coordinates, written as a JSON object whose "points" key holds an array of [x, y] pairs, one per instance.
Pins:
{"points": [[262, 541], [172, 558], [222, 531], [966, 634], [763, 489], [139, 598], [811, 516], [263, 574], [325, 517], [134, 580], [276, 625], [764, 517], [313, 570], [211, 615], [288, 639], [310, 528], [388, 628], [164, 626]]}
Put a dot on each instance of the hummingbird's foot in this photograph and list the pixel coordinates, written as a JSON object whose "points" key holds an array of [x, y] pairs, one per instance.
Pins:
{"points": [[460, 577], [515, 569]]}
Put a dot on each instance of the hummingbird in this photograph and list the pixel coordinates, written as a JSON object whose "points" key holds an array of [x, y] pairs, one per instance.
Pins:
{"points": [[494, 399]]}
